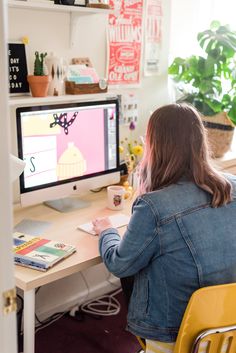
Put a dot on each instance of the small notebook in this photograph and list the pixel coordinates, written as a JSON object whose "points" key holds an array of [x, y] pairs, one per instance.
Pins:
{"points": [[117, 221]]}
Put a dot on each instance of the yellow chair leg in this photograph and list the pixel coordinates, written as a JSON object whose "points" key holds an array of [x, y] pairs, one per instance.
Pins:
{"points": [[141, 342]]}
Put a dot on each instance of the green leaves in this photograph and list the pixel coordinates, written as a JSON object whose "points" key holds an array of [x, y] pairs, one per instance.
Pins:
{"points": [[220, 38], [212, 77], [232, 111]]}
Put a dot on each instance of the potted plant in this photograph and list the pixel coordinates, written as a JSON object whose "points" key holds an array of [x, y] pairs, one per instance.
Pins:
{"points": [[39, 81], [208, 82]]}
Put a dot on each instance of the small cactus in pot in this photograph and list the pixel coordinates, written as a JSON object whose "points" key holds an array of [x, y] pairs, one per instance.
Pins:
{"points": [[39, 64], [39, 81]]}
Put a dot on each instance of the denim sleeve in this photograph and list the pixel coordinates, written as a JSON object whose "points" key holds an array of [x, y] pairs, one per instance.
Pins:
{"points": [[127, 256]]}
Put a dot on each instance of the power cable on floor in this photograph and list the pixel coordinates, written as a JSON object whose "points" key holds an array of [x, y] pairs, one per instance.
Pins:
{"points": [[105, 305]]}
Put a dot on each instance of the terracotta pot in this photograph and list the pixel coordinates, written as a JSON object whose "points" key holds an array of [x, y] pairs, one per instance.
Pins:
{"points": [[39, 85]]}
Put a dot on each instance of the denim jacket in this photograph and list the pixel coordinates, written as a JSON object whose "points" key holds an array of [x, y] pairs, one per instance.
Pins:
{"points": [[175, 243]]}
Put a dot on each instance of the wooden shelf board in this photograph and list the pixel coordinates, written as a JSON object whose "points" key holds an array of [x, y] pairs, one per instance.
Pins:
{"points": [[50, 6], [29, 100]]}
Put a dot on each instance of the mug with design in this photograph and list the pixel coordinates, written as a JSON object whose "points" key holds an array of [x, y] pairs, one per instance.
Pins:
{"points": [[116, 196]]}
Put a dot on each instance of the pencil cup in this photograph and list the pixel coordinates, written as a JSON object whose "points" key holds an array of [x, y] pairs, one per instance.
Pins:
{"points": [[116, 197]]}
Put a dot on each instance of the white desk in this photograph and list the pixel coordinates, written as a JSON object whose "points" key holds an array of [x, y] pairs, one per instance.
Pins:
{"points": [[63, 228]]}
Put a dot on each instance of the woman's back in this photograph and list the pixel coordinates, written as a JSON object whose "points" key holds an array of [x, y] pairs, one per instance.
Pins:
{"points": [[196, 247], [182, 233]]}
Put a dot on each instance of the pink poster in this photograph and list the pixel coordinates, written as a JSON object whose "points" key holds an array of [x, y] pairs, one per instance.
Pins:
{"points": [[125, 41]]}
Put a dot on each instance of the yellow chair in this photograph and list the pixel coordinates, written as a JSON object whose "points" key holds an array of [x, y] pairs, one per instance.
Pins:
{"points": [[210, 321], [210, 317]]}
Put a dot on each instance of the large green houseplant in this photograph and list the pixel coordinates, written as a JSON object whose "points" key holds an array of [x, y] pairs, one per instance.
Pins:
{"points": [[208, 81]]}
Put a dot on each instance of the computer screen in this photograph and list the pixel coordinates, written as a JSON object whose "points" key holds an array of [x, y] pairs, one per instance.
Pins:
{"points": [[67, 148]]}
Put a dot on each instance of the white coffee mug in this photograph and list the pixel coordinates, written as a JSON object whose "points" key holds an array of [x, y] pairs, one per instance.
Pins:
{"points": [[116, 196]]}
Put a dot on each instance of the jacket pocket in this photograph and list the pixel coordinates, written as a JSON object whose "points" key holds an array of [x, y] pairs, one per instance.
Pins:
{"points": [[140, 296]]}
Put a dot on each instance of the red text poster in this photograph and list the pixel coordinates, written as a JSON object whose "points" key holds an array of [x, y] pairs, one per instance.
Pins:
{"points": [[125, 41]]}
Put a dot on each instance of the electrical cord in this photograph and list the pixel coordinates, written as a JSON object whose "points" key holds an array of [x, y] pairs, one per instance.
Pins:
{"points": [[57, 316], [96, 306], [43, 323], [93, 307], [37, 289], [50, 321], [20, 313], [75, 308]]}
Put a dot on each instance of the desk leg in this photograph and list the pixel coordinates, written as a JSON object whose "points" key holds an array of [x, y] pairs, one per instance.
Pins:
{"points": [[29, 321]]}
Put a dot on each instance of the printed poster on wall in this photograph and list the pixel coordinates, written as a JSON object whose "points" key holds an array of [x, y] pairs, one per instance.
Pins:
{"points": [[125, 42], [153, 37]]}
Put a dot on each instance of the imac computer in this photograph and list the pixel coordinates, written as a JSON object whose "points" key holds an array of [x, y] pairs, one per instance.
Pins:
{"points": [[68, 149]]}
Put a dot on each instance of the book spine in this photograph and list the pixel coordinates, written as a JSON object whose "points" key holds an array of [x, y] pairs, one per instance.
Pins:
{"points": [[30, 263], [31, 266]]}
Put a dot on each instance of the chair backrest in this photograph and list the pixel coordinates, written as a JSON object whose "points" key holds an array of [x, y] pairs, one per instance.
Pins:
{"points": [[210, 317]]}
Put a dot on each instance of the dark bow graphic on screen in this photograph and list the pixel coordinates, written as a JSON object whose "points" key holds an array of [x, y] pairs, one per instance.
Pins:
{"points": [[61, 120]]}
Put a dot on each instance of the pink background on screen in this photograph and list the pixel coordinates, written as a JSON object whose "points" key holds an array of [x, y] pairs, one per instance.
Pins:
{"points": [[87, 133]]}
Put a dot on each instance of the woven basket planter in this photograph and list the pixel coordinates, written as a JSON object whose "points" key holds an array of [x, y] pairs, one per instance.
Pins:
{"points": [[220, 131]]}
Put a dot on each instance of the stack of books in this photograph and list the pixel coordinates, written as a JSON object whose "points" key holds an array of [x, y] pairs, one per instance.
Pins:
{"points": [[39, 253]]}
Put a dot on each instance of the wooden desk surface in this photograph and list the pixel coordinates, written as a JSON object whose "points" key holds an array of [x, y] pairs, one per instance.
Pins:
{"points": [[63, 227], [227, 163]]}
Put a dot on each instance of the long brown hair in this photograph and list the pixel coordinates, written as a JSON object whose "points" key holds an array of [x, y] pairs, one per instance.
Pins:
{"points": [[176, 147]]}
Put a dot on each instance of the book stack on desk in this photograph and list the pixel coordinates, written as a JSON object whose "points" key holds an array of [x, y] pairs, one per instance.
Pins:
{"points": [[39, 253]]}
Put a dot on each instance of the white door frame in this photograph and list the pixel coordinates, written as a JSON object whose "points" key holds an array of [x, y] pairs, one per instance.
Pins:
{"points": [[7, 321]]}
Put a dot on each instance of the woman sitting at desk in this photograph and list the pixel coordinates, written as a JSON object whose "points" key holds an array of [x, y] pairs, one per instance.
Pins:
{"points": [[181, 235]]}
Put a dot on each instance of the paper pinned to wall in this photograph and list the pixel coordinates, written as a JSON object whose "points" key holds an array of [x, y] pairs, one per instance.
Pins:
{"points": [[125, 42], [153, 37], [129, 108]]}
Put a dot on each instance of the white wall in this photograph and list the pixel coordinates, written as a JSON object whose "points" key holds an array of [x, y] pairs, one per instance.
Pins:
{"points": [[189, 17], [48, 31]]}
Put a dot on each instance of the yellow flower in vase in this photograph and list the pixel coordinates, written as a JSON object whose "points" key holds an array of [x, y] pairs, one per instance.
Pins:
{"points": [[137, 150], [131, 154], [121, 149]]}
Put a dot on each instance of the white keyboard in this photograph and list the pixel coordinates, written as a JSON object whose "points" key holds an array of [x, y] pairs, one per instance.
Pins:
{"points": [[117, 221]]}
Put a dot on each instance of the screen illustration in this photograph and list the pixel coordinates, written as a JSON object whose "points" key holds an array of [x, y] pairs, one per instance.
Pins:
{"points": [[65, 143]]}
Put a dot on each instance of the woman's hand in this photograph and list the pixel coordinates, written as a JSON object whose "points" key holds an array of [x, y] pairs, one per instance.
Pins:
{"points": [[101, 224]]}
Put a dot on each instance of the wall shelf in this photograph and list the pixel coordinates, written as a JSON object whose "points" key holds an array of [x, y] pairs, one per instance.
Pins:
{"points": [[74, 11], [50, 6], [29, 100]]}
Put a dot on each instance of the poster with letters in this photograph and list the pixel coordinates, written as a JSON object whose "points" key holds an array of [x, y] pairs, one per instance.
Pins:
{"points": [[125, 42]]}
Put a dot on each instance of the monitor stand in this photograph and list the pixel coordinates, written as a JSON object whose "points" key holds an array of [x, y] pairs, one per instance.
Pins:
{"points": [[67, 204]]}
